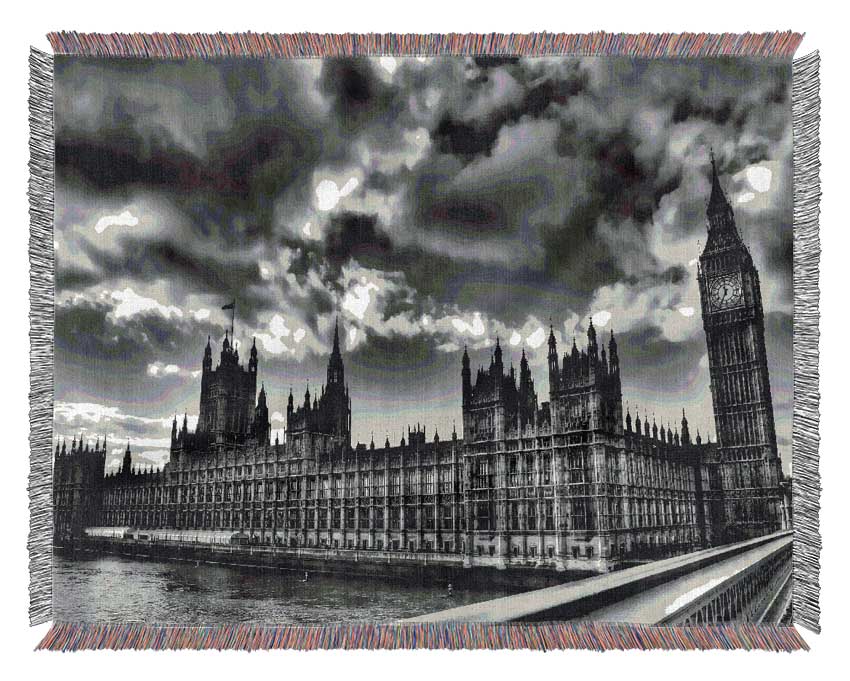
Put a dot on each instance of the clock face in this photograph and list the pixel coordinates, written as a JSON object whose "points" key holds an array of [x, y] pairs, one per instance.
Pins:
{"points": [[725, 292]]}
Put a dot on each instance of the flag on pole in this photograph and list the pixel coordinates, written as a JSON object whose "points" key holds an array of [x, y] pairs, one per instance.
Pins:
{"points": [[231, 305]]}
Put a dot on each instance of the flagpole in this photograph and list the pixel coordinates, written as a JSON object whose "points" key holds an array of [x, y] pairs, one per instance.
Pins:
{"points": [[233, 320]]}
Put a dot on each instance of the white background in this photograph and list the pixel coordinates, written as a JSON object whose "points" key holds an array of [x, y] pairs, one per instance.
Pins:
{"points": [[25, 24]]}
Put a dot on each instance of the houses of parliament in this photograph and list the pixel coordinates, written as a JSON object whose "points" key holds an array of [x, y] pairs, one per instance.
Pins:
{"points": [[573, 482]]}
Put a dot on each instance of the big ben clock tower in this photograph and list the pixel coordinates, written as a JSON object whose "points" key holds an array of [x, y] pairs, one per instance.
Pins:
{"points": [[733, 320]]}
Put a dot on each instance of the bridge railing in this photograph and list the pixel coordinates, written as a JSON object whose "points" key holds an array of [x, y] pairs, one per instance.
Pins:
{"points": [[750, 593], [743, 570]]}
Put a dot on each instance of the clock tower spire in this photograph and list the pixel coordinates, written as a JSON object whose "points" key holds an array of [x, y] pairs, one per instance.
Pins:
{"points": [[733, 320]]}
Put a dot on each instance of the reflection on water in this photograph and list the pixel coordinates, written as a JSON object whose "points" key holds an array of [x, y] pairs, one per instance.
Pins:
{"points": [[115, 589]]}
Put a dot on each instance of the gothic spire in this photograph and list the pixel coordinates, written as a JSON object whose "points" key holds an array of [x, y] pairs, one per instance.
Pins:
{"points": [[336, 336], [718, 210], [718, 197], [686, 435]]}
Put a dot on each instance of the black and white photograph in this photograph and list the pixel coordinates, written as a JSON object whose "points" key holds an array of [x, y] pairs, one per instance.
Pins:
{"points": [[439, 338]]}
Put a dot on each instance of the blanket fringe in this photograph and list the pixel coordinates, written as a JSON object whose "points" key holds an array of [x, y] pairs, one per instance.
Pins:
{"points": [[182, 45], [805, 475], [543, 637], [431, 636], [41, 334]]}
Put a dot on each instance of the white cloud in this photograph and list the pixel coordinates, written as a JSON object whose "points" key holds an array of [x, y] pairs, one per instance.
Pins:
{"points": [[635, 307], [90, 412], [357, 298], [515, 338], [601, 318], [130, 303], [746, 197], [160, 370], [448, 347], [280, 338], [759, 178], [475, 327], [200, 315], [125, 219], [388, 63], [536, 339], [81, 413], [329, 193]]}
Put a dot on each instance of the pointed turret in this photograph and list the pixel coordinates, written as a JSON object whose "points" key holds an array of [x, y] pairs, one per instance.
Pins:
{"points": [[613, 356], [252, 362], [686, 434], [127, 463], [466, 377], [718, 210], [554, 368], [592, 347]]}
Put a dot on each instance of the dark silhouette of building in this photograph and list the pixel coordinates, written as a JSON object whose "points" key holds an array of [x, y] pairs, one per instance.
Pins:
{"points": [[733, 320], [328, 413], [228, 394], [569, 483]]}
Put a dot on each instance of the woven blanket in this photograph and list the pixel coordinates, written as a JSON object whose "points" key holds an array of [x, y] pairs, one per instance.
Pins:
{"points": [[424, 341]]}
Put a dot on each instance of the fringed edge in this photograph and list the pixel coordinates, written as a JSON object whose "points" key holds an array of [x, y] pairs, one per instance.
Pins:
{"points": [[431, 636], [41, 334], [182, 45], [805, 475]]}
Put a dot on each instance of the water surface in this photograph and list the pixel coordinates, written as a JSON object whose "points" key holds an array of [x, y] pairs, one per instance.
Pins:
{"points": [[117, 589]]}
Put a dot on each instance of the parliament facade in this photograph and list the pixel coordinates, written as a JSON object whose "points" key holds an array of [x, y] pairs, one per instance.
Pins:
{"points": [[574, 482]]}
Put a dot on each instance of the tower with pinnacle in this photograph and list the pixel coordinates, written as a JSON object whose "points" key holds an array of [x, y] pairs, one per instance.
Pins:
{"points": [[733, 320]]}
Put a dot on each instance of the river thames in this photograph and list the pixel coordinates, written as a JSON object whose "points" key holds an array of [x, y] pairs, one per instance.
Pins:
{"points": [[115, 589]]}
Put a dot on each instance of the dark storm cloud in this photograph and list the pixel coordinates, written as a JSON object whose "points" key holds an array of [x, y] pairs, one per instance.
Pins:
{"points": [[517, 189], [86, 330], [467, 137], [605, 163], [355, 235], [359, 99], [222, 155]]}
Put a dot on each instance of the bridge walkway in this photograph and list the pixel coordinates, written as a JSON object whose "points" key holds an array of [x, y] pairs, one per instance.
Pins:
{"points": [[625, 594]]}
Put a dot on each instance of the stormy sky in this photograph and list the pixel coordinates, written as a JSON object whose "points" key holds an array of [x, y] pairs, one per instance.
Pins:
{"points": [[429, 203]]}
